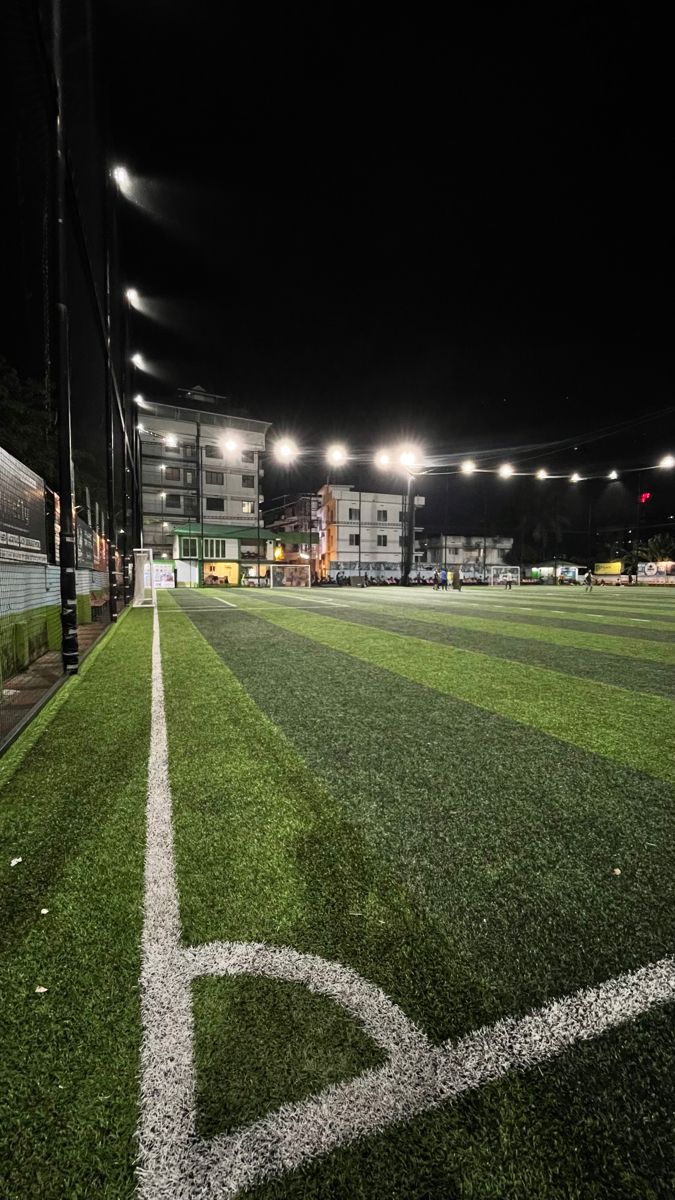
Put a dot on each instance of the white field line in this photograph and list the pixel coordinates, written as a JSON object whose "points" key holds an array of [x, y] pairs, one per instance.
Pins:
{"points": [[176, 1164]]}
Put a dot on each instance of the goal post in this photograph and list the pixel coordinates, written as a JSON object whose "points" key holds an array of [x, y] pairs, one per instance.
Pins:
{"points": [[290, 575], [144, 579], [504, 576]]}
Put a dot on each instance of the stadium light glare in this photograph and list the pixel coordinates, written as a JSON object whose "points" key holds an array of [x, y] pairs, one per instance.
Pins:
{"points": [[542, 474], [667, 461], [575, 478], [230, 443], [138, 361], [138, 399], [408, 456], [383, 459], [285, 450], [336, 455], [468, 467], [122, 178], [140, 428], [613, 475], [170, 440], [132, 296], [506, 471], [162, 495]]}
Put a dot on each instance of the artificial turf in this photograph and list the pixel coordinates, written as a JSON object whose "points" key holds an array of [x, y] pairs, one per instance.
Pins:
{"points": [[438, 801]]}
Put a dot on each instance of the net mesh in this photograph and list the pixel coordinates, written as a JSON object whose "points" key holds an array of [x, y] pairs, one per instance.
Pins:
{"points": [[144, 579]]}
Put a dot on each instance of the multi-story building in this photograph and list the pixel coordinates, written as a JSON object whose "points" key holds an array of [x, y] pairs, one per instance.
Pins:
{"points": [[294, 520], [475, 553], [361, 532], [198, 464]]}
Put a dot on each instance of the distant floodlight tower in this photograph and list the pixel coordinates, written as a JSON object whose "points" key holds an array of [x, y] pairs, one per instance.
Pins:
{"points": [[667, 462], [542, 474], [506, 471], [468, 467], [285, 451], [336, 455], [383, 459]]}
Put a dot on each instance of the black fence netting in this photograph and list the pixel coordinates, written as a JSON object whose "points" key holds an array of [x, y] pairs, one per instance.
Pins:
{"points": [[61, 361]]}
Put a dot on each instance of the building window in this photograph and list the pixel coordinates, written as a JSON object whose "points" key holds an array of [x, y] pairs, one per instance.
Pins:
{"points": [[354, 539], [215, 504], [215, 477], [189, 548], [401, 517], [171, 449], [248, 456], [381, 539], [248, 481], [189, 477], [212, 452], [172, 473], [173, 500], [382, 516], [247, 506], [401, 541], [214, 548], [354, 514], [189, 450]]}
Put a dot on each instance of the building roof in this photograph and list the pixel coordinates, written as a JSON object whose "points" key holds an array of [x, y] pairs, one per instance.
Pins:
{"points": [[246, 533]]}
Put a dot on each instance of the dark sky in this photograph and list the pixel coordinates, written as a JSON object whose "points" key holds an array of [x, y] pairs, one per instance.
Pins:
{"points": [[365, 222], [371, 222]]}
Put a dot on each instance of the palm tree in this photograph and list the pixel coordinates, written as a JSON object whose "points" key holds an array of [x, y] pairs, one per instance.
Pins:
{"points": [[660, 548]]}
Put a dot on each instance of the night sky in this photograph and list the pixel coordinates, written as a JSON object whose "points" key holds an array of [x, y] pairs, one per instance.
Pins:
{"points": [[361, 222]]}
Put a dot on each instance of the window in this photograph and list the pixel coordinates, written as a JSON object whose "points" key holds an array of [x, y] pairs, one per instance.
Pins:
{"points": [[214, 548], [248, 456], [401, 541], [171, 449], [247, 506], [215, 477], [189, 477], [212, 452], [401, 516], [354, 539], [215, 504], [381, 539], [354, 514], [248, 481], [189, 450], [173, 500], [189, 548], [382, 516], [172, 473]]}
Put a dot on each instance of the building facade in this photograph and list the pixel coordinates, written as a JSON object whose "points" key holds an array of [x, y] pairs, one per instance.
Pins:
{"points": [[198, 463], [361, 532], [294, 521], [475, 553]]}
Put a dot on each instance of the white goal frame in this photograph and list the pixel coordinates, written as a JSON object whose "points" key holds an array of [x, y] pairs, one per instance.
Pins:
{"points": [[144, 579], [500, 575], [290, 575]]}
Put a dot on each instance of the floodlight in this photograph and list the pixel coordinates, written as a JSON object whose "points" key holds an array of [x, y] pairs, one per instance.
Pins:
{"points": [[468, 467], [383, 458], [132, 296], [667, 461], [506, 470], [336, 455], [285, 450]]}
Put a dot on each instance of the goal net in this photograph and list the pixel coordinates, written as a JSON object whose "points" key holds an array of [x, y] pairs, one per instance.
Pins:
{"points": [[144, 579], [504, 576], [290, 575]]}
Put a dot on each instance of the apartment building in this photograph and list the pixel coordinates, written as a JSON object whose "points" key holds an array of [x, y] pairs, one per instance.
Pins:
{"points": [[475, 553], [294, 521], [359, 531], [198, 463]]}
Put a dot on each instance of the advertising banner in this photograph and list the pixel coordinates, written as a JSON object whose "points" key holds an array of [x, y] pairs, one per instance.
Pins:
{"points": [[23, 526], [608, 568], [85, 545], [657, 573]]}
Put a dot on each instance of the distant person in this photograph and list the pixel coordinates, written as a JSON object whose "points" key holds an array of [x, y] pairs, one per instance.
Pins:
{"points": [[588, 580], [436, 581], [444, 580]]}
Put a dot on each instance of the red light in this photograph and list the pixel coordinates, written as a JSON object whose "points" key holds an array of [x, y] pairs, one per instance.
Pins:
{"points": [[644, 497]]}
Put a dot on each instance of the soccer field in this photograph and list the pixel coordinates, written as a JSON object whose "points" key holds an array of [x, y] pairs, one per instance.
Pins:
{"points": [[344, 893]]}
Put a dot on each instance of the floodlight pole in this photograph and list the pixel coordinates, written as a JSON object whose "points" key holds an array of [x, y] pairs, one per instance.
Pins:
{"points": [[409, 540], [61, 365]]}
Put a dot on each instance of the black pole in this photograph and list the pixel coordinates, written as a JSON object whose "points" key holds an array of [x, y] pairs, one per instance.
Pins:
{"points": [[61, 367], [109, 412], [359, 534], [409, 539]]}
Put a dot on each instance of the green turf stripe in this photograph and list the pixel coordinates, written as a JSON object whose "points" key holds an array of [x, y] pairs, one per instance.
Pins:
{"points": [[629, 647], [605, 720], [633, 674], [74, 810]]}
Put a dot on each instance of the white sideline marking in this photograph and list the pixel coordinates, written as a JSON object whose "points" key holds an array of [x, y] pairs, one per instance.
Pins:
{"points": [[222, 601], [176, 1164]]}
